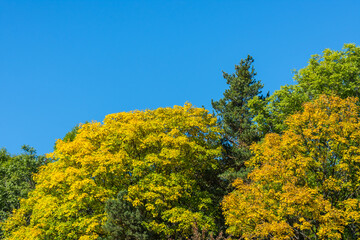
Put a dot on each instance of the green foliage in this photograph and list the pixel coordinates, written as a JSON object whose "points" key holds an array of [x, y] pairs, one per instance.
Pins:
{"points": [[235, 117], [124, 221], [16, 178], [70, 136], [333, 73]]}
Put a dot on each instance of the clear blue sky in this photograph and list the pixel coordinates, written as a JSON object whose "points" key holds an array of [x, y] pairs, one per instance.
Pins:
{"points": [[66, 62]]}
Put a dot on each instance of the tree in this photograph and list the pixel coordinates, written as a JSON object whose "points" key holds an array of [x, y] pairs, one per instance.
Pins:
{"points": [[124, 221], [333, 73], [305, 182], [235, 117], [70, 136], [159, 157], [16, 178]]}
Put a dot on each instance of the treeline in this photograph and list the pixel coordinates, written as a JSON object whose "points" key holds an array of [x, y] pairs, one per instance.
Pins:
{"points": [[280, 166]]}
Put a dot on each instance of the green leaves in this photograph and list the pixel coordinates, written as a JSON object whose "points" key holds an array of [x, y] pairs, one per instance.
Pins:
{"points": [[333, 73], [235, 117], [16, 178], [124, 221]]}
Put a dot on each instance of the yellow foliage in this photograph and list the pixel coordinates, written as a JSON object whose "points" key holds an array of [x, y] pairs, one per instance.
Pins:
{"points": [[305, 182], [156, 156]]}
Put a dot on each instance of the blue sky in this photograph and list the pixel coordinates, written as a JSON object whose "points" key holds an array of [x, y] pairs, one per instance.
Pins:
{"points": [[66, 62]]}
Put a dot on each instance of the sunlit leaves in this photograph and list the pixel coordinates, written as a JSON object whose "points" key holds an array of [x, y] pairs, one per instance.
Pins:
{"points": [[305, 182], [332, 73], [158, 157]]}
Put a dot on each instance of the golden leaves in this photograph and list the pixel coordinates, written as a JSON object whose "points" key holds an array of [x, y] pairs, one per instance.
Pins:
{"points": [[156, 155], [305, 181]]}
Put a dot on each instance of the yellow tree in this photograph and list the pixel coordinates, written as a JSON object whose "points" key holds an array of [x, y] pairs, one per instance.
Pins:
{"points": [[305, 183], [159, 157]]}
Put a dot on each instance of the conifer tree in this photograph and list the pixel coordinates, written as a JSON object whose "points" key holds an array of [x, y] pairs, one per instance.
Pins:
{"points": [[124, 221], [235, 118]]}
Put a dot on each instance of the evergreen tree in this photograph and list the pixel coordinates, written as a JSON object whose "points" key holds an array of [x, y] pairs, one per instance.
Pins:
{"points": [[235, 118], [124, 221]]}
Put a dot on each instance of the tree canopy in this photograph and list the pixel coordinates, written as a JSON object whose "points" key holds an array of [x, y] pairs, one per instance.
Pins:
{"points": [[293, 159], [235, 117], [332, 73], [16, 178], [162, 158], [305, 182]]}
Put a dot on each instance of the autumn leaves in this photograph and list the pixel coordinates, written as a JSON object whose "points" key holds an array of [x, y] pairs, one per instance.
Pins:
{"points": [[158, 157], [280, 166], [305, 181]]}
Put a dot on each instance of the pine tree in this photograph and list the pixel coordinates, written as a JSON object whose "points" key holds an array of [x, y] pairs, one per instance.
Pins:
{"points": [[235, 118], [124, 221]]}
